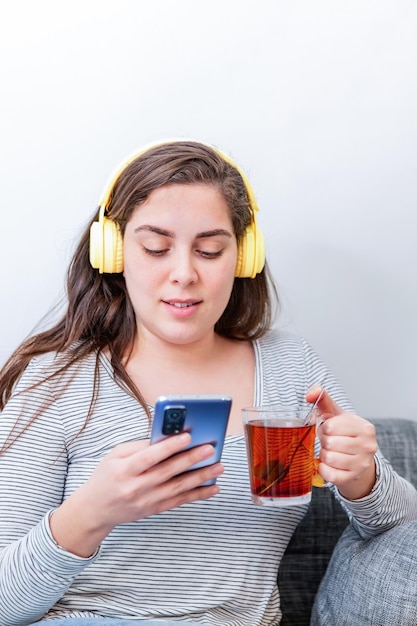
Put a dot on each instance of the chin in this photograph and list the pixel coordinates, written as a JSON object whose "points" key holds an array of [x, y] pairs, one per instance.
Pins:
{"points": [[188, 338]]}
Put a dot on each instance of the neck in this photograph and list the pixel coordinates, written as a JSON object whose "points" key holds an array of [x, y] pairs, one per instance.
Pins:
{"points": [[149, 348]]}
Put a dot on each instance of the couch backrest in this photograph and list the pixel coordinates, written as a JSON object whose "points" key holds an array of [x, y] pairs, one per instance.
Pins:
{"points": [[397, 439]]}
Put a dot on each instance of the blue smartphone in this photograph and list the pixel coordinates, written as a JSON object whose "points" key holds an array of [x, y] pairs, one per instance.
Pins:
{"points": [[205, 417]]}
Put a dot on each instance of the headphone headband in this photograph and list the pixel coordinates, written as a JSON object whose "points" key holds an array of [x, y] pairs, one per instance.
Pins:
{"points": [[105, 196]]}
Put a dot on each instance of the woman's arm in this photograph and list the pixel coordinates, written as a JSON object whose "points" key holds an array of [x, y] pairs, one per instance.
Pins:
{"points": [[134, 481], [46, 540], [34, 572], [375, 496]]}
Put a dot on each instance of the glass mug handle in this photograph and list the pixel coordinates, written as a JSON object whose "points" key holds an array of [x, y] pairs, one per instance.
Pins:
{"points": [[317, 480]]}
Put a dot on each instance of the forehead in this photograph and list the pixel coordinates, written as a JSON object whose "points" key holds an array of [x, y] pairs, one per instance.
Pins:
{"points": [[184, 202]]}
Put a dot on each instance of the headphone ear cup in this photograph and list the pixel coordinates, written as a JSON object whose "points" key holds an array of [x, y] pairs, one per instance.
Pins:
{"points": [[251, 253], [113, 247], [106, 246]]}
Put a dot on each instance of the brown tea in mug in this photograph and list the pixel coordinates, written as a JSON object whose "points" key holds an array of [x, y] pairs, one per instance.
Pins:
{"points": [[280, 459]]}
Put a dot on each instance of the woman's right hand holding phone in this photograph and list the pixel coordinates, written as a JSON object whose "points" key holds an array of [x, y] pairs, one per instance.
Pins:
{"points": [[133, 481]]}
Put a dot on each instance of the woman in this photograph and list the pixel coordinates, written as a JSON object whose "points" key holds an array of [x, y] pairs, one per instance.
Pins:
{"points": [[95, 523]]}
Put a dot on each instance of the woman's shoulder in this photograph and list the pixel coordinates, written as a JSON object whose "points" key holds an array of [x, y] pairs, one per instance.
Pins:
{"points": [[60, 366], [56, 360], [277, 339], [285, 348]]}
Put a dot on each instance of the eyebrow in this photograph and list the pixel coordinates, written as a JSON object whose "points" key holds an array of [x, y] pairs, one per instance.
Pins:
{"points": [[168, 233], [155, 229]]}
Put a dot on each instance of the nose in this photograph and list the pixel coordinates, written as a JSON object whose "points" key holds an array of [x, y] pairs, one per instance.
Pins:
{"points": [[183, 270]]}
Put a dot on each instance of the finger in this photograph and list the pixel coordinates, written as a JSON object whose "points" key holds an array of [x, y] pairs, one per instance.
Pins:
{"points": [[333, 475], [326, 406], [144, 455], [349, 426], [186, 487], [194, 478], [339, 468], [180, 463], [338, 460], [200, 493]]}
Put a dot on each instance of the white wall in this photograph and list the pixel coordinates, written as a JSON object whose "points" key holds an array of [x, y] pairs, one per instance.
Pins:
{"points": [[316, 100]]}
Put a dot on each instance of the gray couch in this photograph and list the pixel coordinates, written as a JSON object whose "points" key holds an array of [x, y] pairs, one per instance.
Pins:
{"points": [[311, 546]]}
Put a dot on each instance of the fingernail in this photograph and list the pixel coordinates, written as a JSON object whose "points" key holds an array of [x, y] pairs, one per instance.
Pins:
{"points": [[207, 450], [217, 469], [184, 437]]}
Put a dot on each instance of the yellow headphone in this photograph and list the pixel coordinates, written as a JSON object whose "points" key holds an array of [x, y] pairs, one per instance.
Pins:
{"points": [[106, 241]]}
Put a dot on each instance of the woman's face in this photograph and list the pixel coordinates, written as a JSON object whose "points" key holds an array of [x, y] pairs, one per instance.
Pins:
{"points": [[180, 256]]}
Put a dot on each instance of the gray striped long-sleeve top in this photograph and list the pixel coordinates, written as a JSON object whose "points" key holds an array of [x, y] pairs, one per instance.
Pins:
{"points": [[214, 562]]}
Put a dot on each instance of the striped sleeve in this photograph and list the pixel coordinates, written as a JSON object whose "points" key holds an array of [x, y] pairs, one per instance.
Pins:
{"points": [[34, 571], [392, 501]]}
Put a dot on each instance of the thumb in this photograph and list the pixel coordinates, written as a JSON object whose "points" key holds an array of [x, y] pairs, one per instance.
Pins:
{"points": [[326, 406]]}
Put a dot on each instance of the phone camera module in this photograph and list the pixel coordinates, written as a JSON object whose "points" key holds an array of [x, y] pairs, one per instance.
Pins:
{"points": [[174, 418]]}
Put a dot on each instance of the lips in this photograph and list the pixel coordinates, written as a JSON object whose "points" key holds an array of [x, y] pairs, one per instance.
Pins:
{"points": [[182, 304]]}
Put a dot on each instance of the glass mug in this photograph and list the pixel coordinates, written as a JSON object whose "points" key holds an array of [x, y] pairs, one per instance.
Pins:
{"points": [[280, 449]]}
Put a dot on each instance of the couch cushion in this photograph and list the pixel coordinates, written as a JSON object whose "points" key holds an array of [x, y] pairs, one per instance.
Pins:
{"points": [[309, 551], [370, 582]]}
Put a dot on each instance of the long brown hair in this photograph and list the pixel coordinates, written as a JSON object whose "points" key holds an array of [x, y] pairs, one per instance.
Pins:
{"points": [[99, 313]]}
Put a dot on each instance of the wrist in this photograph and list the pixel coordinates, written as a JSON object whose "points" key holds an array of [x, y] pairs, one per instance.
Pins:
{"points": [[362, 486], [74, 527]]}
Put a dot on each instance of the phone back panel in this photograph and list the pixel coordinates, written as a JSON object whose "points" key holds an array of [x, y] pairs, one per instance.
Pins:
{"points": [[205, 417]]}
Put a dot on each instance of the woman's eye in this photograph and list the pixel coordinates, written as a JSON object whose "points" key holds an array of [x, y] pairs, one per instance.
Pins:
{"points": [[206, 254], [153, 252], [209, 255]]}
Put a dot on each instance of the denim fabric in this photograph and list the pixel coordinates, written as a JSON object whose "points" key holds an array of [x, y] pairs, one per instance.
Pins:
{"points": [[370, 583]]}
